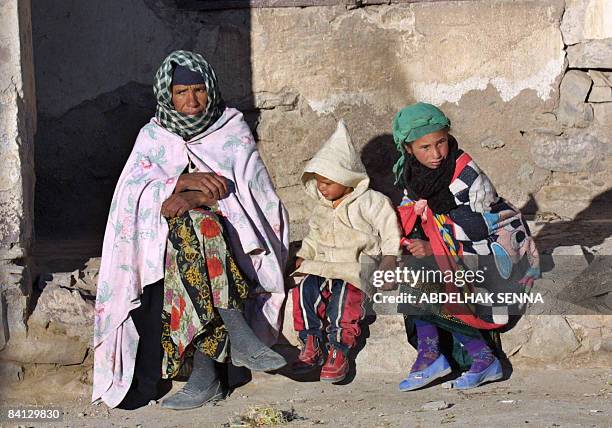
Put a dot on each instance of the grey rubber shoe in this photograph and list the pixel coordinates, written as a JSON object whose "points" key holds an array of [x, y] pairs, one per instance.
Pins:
{"points": [[202, 387], [264, 360], [245, 348], [187, 398]]}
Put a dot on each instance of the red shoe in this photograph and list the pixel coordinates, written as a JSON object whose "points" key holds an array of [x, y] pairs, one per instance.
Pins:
{"points": [[311, 356], [336, 367]]}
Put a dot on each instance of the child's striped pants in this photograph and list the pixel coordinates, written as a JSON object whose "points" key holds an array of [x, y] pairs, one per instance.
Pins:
{"points": [[337, 302]]}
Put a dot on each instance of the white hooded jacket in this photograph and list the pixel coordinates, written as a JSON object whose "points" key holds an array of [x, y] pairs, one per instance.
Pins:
{"points": [[346, 242]]}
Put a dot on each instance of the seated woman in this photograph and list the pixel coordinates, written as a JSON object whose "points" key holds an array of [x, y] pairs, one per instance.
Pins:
{"points": [[195, 227], [450, 211]]}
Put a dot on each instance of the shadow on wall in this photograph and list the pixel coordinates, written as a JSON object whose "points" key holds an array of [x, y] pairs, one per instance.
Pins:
{"points": [[84, 138], [589, 228], [79, 157], [378, 156]]}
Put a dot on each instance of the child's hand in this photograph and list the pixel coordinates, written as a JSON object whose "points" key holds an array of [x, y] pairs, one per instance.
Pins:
{"points": [[388, 263], [419, 248], [298, 262]]}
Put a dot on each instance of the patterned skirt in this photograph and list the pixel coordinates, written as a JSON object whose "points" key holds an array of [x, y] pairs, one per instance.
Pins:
{"points": [[200, 275]]}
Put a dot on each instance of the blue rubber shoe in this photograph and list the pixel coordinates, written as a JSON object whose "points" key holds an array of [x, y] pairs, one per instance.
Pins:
{"points": [[435, 370], [471, 380]]}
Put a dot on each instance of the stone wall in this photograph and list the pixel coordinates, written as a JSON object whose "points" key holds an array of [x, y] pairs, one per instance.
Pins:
{"points": [[576, 147], [17, 126], [494, 66]]}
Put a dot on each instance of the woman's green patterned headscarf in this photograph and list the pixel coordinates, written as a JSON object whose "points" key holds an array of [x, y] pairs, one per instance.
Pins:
{"points": [[187, 126], [413, 122]]}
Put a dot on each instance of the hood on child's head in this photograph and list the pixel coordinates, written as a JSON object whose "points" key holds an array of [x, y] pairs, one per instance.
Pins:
{"points": [[338, 161]]}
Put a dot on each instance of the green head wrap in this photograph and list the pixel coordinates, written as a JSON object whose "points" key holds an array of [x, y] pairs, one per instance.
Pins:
{"points": [[411, 123], [186, 126]]}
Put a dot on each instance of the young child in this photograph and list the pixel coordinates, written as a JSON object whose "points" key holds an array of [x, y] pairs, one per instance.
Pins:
{"points": [[351, 227]]}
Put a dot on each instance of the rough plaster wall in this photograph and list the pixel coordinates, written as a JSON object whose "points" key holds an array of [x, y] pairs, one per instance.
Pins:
{"points": [[493, 66], [468, 57], [409, 51], [17, 171]]}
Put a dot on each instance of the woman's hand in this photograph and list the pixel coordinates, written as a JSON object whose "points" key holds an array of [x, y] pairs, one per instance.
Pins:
{"points": [[419, 248], [179, 203], [210, 184], [298, 262]]}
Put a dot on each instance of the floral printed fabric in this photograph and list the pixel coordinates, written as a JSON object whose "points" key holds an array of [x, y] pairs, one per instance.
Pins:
{"points": [[200, 275]]}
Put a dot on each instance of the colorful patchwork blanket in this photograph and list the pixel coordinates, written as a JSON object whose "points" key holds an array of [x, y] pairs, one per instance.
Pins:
{"points": [[482, 224]]}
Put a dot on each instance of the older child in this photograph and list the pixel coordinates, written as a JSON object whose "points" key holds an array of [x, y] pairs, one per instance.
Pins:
{"points": [[351, 227], [455, 205]]}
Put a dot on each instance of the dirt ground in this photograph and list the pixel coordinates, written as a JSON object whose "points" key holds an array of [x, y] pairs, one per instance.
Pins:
{"points": [[577, 395], [531, 397]]}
